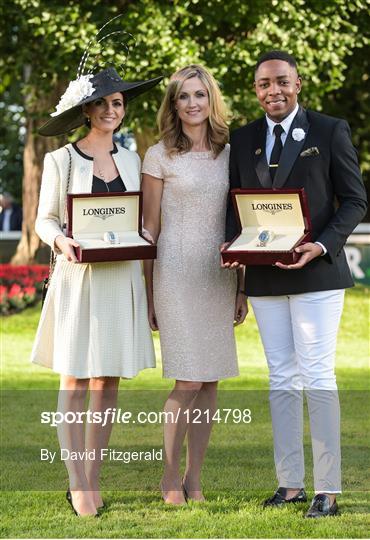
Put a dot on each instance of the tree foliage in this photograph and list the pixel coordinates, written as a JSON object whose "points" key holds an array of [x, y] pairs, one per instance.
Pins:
{"points": [[12, 132], [43, 41]]}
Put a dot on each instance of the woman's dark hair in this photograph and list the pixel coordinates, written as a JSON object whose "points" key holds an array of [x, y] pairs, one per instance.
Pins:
{"points": [[276, 55]]}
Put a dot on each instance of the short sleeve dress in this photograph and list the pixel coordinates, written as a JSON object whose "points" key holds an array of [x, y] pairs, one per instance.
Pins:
{"points": [[94, 322], [194, 298]]}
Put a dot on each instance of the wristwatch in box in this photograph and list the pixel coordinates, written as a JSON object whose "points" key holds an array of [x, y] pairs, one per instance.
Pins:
{"points": [[273, 222], [108, 226]]}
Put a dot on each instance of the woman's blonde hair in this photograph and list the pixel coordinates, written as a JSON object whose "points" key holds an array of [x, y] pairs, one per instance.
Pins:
{"points": [[170, 128]]}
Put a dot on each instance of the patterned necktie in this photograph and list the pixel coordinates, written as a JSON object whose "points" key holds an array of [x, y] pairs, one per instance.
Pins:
{"points": [[276, 151]]}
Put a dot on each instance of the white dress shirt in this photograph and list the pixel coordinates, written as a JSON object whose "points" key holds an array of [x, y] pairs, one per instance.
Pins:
{"points": [[270, 141], [270, 137], [6, 222]]}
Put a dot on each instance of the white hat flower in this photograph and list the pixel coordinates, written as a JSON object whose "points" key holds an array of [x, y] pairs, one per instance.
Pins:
{"points": [[77, 90], [298, 134]]}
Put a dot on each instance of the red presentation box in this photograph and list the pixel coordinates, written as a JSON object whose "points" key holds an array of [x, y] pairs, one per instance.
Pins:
{"points": [[280, 215], [93, 216]]}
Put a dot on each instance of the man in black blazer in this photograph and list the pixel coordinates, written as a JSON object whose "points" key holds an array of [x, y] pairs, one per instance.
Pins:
{"points": [[298, 306]]}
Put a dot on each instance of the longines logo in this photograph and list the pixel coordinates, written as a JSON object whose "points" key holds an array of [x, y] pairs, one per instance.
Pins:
{"points": [[103, 213], [272, 208]]}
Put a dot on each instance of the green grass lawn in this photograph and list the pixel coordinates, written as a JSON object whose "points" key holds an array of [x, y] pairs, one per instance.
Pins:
{"points": [[238, 472]]}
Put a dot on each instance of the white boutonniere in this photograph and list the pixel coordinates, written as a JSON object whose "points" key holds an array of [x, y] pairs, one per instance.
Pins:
{"points": [[298, 134], [77, 90]]}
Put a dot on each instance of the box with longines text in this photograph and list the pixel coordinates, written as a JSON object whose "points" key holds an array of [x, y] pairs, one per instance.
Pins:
{"points": [[108, 227], [273, 222]]}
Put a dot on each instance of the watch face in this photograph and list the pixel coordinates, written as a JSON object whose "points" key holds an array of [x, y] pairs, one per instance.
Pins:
{"points": [[264, 236], [111, 237]]}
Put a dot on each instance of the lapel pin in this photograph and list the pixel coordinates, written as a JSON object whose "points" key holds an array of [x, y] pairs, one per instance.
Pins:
{"points": [[258, 151]]}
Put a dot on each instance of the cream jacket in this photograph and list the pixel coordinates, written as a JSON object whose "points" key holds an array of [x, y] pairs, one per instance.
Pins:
{"points": [[52, 203]]}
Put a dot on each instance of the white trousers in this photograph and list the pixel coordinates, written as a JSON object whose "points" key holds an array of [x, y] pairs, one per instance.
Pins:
{"points": [[299, 334]]}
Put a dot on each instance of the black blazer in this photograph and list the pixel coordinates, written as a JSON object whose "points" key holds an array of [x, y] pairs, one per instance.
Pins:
{"points": [[335, 192], [15, 218]]}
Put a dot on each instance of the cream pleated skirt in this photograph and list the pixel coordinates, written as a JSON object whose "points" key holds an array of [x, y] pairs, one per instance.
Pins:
{"points": [[94, 321]]}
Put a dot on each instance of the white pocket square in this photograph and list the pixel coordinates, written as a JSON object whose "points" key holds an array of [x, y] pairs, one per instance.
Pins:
{"points": [[313, 151]]}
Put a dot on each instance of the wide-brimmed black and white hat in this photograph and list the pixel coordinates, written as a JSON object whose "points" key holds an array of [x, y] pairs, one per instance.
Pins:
{"points": [[87, 88], [94, 84]]}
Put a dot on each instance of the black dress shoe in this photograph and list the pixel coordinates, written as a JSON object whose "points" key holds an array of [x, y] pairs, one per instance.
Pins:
{"points": [[320, 507], [279, 498], [184, 490], [69, 499]]}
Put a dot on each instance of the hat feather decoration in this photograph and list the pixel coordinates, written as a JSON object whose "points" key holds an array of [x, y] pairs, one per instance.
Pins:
{"points": [[87, 52]]}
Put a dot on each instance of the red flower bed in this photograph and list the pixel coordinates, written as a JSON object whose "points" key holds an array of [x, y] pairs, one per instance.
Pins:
{"points": [[20, 286]]}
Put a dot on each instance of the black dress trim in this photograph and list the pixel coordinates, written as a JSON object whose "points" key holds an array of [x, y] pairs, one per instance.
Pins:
{"points": [[82, 154]]}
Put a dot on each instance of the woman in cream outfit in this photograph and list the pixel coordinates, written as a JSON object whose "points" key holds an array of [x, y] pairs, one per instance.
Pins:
{"points": [[93, 327], [93, 322], [192, 300]]}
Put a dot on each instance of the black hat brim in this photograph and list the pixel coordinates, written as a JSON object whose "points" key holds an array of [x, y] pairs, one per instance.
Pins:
{"points": [[74, 117]]}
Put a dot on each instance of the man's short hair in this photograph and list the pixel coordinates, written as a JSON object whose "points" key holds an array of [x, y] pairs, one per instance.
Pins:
{"points": [[276, 55]]}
